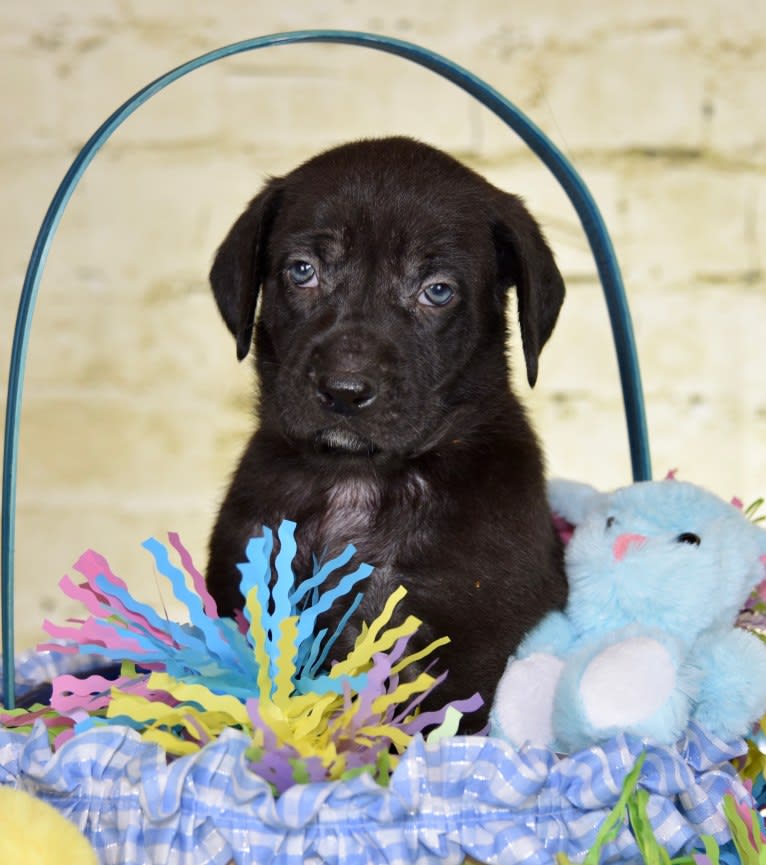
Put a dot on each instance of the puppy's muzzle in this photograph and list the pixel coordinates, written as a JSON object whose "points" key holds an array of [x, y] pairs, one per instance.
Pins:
{"points": [[345, 369], [345, 393]]}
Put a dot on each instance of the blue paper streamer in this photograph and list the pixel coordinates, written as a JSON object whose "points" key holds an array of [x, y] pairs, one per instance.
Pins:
{"points": [[320, 575], [112, 590], [256, 571], [316, 665], [214, 641]]}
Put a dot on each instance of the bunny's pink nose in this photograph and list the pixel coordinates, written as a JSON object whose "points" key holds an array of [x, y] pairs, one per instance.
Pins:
{"points": [[624, 542]]}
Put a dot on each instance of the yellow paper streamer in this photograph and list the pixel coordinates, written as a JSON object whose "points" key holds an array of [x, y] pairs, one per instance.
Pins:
{"points": [[196, 693], [286, 662], [314, 725], [417, 656]]}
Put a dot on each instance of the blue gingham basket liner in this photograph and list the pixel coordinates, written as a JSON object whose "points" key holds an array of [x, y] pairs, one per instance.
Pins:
{"points": [[461, 796], [32, 668]]}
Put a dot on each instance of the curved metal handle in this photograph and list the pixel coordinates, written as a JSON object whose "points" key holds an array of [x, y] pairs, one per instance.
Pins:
{"points": [[559, 165]]}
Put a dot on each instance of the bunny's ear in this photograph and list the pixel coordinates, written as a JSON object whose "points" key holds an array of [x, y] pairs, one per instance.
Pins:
{"points": [[572, 500]]}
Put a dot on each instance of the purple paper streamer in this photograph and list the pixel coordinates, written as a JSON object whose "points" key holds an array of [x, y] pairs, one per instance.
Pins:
{"points": [[374, 688]]}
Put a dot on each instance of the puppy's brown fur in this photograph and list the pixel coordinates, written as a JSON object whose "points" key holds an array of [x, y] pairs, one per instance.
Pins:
{"points": [[385, 415]]}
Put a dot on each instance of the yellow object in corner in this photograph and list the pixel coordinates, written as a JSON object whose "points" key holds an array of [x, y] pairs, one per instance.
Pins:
{"points": [[31, 831]]}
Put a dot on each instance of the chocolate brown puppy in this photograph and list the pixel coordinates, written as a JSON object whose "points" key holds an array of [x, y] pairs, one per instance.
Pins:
{"points": [[385, 415]]}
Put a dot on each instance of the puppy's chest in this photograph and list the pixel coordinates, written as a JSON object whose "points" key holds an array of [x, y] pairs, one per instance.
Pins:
{"points": [[372, 517], [350, 512]]}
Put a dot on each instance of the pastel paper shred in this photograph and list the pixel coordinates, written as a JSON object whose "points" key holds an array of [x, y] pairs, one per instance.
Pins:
{"points": [[745, 826], [182, 685], [753, 615]]}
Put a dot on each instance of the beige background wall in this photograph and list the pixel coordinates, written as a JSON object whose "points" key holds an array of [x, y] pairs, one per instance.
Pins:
{"points": [[135, 407]]}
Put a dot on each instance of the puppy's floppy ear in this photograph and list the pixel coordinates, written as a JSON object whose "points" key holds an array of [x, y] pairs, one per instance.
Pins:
{"points": [[525, 260], [239, 265]]}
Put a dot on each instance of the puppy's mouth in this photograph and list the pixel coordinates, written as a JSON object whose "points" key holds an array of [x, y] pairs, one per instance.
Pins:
{"points": [[341, 439]]}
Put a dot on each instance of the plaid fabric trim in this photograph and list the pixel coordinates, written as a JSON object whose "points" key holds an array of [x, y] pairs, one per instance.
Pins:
{"points": [[462, 796]]}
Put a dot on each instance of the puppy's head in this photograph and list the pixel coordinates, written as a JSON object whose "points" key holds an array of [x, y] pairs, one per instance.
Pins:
{"points": [[383, 267]]}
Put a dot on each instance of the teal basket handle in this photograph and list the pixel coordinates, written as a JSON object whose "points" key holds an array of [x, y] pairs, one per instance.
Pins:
{"points": [[587, 211]]}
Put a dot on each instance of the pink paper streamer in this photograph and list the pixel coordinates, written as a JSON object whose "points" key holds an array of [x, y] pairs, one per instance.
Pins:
{"points": [[94, 692], [95, 633], [208, 603], [91, 565]]}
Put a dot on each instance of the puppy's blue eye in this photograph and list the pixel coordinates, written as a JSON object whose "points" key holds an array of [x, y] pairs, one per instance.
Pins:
{"points": [[303, 274], [437, 294]]}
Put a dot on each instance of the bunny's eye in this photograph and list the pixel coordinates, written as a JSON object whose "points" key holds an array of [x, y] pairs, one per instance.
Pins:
{"points": [[610, 522], [689, 538]]}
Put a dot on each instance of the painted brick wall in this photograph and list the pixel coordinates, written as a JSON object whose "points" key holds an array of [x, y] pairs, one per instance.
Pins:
{"points": [[135, 408]]}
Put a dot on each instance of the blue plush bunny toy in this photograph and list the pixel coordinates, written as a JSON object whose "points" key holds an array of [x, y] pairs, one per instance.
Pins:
{"points": [[658, 572]]}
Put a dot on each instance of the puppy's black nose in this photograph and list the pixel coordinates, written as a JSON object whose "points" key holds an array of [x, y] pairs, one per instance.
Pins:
{"points": [[346, 393]]}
